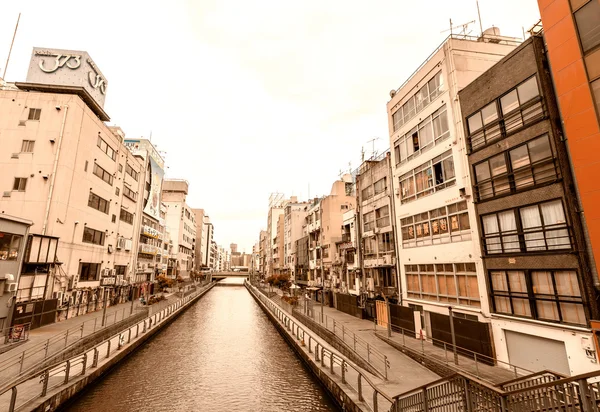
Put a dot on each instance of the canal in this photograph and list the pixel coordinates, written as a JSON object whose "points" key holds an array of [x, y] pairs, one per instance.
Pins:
{"points": [[222, 354]]}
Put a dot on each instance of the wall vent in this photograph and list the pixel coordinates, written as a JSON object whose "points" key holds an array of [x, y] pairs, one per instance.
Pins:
{"points": [[14, 156], [6, 194]]}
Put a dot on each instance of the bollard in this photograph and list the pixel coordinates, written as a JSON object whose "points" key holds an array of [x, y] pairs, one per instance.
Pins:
{"points": [[108, 350], [82, 330], [343, 371], [67, 370]]}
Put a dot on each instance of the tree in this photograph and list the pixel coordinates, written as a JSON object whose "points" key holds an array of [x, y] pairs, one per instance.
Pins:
{"points": [[164, 282]]}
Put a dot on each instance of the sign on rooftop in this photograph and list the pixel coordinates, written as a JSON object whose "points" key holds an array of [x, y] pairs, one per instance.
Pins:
{"points": [[67, 68]]}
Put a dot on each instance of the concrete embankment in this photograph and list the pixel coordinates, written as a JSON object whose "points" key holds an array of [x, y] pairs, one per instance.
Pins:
{"points": [[337, 384], [101, 358]]}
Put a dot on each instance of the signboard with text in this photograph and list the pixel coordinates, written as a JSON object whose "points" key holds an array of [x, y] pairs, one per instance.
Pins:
{"points": [[67, 68]]}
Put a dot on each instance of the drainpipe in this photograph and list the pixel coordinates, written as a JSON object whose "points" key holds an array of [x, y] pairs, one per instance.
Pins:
{"points": [[359, 242], [396, 235], [53, 178]]}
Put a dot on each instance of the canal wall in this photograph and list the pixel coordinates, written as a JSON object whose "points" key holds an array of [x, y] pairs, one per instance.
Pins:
{"points": [[347, 401], [61, 395]]}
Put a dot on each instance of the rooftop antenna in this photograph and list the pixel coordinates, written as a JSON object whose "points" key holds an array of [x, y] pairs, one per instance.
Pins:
{"points": [[362, 154], [373, 141], [463, 26], [11, 46], [479, 15]]}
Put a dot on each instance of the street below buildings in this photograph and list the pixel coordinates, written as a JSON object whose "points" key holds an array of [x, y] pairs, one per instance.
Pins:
{"points": [[223, 354]]}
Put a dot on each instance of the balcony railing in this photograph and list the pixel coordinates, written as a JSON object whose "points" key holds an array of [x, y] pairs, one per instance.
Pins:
{"points": [[535, 174], [541, 239], [510, 123], [383, 221], [369, 226], [346, 237]]}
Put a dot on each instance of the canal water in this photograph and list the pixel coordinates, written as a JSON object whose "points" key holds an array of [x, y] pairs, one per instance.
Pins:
{"points": [[222, 354]]}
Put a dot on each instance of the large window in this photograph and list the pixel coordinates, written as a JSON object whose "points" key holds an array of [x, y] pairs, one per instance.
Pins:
{"points": [[368, 221], [130, 194], [520, 106], [444, 282], [98, 203], [524, 166], [534, 228], [129, 170], [427, 134], [105, 147], [442, 225], [27, 146], [89, 271], [539, 294], [103, 174], [588, 25], [93, 236], [20, 184], [386, 242], [435, 175], [10, 244], [34, 114], [367, 192], [425, 95], [126, 216], [382, 216], [380, 185]]}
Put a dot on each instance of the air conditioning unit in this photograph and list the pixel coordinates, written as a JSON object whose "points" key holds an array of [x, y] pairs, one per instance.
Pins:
{"points": [[121, 243], [113, 272], [72, 283], [128, 244], [11, 287], [6, 194]]}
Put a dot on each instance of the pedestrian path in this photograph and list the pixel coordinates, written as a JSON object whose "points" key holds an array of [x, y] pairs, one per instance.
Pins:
{"points": [[377, 337], [51, 339]]}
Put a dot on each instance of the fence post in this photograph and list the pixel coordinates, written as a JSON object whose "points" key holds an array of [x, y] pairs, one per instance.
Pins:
{"points": [[108, 350], [317, 352], [386, 365], [468, 404], [476, 365], [375, 400], [13, 399], [360, 397], [95, 361], [22, 361], [66, 337], [425, 406], [47, 346], [322, 356], [95, 321], [343, 371], [331, 363], [83, 364], [584, 396], [67, 370], [45, 377], [368, 353]]}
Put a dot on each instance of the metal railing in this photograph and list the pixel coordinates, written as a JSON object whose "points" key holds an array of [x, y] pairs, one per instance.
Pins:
{"points": [[359, 346], [350, 375], [16, 395], [465, 356], [20, 362]]}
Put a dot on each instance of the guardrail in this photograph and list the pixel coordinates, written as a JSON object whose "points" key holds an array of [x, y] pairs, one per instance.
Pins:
{"points": [[18, 363], [336, 364], [20, 392]]}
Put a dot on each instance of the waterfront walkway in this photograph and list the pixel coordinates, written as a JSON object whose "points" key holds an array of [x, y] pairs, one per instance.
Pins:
{"points": [[403, 371], [51, 339]]}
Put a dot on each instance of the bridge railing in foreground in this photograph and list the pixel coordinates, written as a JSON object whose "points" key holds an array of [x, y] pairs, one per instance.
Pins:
{"points": [[350, 375], [17, 394]]}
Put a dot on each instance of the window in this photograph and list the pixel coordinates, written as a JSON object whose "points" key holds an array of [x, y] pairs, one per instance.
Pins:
{"points": [[34, 114], [444, 282], [89, 271], [528, 165], [441, 225], [130, 194], [380, 185], [418, 101], [114, 218], [421, 138], [120, 168], [105, 147], [517, 108], [540, 227], [126, 216], [93, 236], [539, 294], [370, 244], [382, 216], [98, 203], [120, 270], [397, 119], [367, 193], [85, 166], [117, 191], [588, 25], [435, 175], [386, 243], [27, 146], [20, 184], [369, 221], [103, 174], [129, 170], [10, 245]]}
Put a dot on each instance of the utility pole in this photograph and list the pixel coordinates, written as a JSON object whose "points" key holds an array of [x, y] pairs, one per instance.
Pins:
{"points": [[453, 334], [322, 269], [11, 46], [104, 309]]}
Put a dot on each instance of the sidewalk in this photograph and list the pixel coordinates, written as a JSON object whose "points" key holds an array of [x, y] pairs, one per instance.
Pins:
{"points": [[48, 340], [376, 336]]}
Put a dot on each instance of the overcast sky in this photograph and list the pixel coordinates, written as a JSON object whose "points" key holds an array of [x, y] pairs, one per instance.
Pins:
{"points": [[248, 98]]}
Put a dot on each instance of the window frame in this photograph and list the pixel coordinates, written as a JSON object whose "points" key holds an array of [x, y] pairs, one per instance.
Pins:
{"points": [[97, 269], [103, 174], [27, 146], [95, 202], [36, 112], [94, 235], [129, 194], [427, 230], [427, 169], [21, 186], [126, 216], [107, 149], [131, 172]]}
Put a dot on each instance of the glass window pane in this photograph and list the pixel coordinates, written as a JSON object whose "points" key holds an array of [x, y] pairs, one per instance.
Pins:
{"points": [[489, 113], [530, 217], [475, 122], [567, 284], [482, 171], [502, 304], [519, 157], [573, 313], [509, 102], [539, 149], [542, 283], [553, 213], [498, 165], [588, 24], [425, 134], [521, 307], [528, 90], [547, 310], [516, 280], [440, 123]]}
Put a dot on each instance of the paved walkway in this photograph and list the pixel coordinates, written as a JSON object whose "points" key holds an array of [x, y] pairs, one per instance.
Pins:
{"points": [[399, 363], [51, 339]]}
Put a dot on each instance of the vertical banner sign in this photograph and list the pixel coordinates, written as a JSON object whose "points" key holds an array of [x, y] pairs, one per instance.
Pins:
{"points": [[153, 206]]}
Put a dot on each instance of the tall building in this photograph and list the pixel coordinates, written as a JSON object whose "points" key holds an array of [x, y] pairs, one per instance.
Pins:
{"points": [[533, 244], [294, 215], [438, 248], [377, 232], [571, 30], [276, 205], [199, 248], [181, 224], [151, 226], [207, 240], [71, 175], [262, 245]]}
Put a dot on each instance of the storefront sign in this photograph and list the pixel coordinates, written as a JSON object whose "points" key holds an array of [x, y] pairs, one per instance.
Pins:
{"points": [[346, 245], [108, 281], [67, 68], [151, 232]]}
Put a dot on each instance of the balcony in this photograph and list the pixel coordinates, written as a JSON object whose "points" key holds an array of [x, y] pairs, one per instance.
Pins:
{"points": [[346, 237], [552, 238], [386, 290]]}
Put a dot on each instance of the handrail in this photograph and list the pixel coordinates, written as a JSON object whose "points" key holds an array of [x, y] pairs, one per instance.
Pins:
{"points": [[82, 359], [295, 327], [558, 382]]}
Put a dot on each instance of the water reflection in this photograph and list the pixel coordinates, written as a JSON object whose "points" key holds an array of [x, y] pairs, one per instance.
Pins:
{"points": [[223, 354]]}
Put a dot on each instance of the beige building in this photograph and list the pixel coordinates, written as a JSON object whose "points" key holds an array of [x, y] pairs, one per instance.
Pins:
{"points": [[294, 215], [199, 247], [71, 175], [347, 263], [181, 224], [276, 205]]}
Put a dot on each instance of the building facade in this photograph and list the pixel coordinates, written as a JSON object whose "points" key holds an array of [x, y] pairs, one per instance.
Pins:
{"points": [[293, 220], [181, 224]]}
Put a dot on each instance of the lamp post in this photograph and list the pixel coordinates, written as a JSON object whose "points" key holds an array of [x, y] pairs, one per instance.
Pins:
{"points": [[104, 309], [453, 335]]}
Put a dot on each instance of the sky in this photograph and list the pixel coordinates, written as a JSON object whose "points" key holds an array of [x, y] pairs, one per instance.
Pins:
{"points": [[248, 98]]}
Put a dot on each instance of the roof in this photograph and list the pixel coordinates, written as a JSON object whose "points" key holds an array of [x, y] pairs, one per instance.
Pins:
{"points": [[16, 219]]}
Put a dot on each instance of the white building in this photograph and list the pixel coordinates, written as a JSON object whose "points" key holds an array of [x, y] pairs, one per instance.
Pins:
{"points": [[181, 224]]}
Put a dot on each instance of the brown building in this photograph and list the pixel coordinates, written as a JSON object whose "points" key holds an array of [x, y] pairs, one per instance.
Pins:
{"points": [[533, 246]]}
